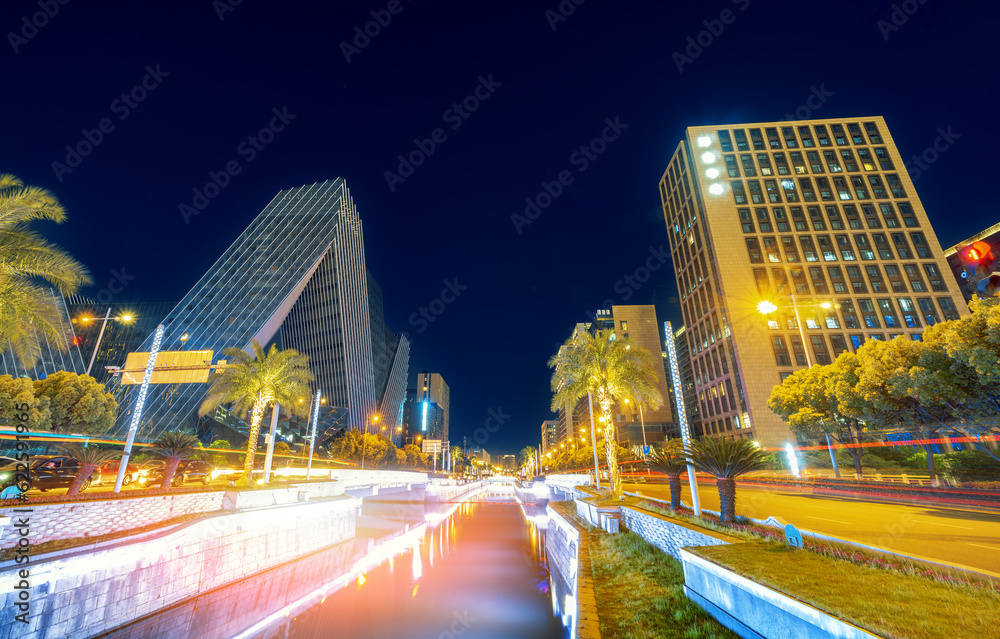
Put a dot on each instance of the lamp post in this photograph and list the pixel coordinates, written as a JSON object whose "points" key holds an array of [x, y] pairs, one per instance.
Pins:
{"points": [[100, 336], [137, 411], [593, 440], [675, 377], [312, 435], [364, 441]]}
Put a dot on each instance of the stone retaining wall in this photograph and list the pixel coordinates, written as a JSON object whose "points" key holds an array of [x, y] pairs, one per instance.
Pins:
{"points": [[665, 534], [88, 593], [73, 520]]}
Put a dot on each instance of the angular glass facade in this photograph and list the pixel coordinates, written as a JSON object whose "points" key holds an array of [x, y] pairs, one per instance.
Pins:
{"points": [[297, 277], [52, 359]]}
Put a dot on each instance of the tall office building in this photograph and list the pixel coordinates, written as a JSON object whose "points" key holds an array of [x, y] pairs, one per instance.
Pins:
{"points": [[296, 277], [820, 219], [550, 438], [960, 269], [433, 406]]}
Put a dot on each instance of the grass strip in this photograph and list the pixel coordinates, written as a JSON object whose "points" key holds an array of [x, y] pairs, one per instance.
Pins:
{"points": [[889, 604]]}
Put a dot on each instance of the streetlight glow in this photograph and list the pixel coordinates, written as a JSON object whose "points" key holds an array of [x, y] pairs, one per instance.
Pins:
{"points": [[766, 308]]}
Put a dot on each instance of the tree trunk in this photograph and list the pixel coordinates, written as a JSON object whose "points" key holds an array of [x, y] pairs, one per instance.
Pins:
{"points": [[256, 415], [727, 498], [928, 448], [610, 443], [169, 471], [675, 491], [856, 455], [86, 470]]}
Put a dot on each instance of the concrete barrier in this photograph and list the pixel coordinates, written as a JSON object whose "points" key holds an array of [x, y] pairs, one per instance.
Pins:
{"points": [[754, 611]]}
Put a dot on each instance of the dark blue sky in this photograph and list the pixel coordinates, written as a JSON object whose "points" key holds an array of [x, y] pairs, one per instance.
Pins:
{"points": [[550, 91]]}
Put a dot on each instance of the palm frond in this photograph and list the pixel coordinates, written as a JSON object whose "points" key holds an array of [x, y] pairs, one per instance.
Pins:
{"points": [[724, 457], [175, 444], [91, 455]]}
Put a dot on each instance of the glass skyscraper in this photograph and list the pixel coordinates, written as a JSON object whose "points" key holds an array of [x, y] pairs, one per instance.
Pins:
{"points": [[295, 277]]}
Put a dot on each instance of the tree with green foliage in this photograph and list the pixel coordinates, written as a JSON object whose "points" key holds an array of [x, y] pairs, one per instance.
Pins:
{"points": [[17, 397], [175, 446], [807, 400], [28, 309], [671, 461], [415, 458], [254, 382], [611, 370], [282, 449], [89, 458], [526, 459], [78, 403], [726, 459]]}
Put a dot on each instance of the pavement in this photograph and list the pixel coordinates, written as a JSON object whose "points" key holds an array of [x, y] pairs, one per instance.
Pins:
{"points": [[966, 537]]}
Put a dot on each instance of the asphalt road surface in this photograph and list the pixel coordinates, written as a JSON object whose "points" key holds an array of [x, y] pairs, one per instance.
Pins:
{"points": [[965, 537]]}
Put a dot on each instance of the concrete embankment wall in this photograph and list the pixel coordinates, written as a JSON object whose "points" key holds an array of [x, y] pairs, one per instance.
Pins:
{"points": [[569, 566], [90, 592]]}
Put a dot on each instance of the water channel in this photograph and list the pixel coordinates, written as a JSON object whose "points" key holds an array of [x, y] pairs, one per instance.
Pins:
{"points": [[472, 569]]}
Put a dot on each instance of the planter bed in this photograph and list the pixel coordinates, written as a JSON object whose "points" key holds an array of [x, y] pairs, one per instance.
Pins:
{"points": [[872, 600]]}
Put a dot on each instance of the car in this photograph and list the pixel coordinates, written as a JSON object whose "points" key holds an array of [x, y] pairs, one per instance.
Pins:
{"points": [[48, 472], [109, 473], [188, 470]]}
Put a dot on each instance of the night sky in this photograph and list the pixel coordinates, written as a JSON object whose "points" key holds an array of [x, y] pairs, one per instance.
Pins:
{"points": [[215, 73]]}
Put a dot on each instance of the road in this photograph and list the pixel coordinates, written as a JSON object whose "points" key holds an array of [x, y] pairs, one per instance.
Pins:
{"points": [[965, 537]]}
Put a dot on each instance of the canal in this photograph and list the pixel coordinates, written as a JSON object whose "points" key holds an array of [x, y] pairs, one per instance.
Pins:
{"points": [[473, 569]]}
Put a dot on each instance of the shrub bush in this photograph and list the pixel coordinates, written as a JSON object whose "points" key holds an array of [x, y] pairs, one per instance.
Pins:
{"points": [[971, 465]]}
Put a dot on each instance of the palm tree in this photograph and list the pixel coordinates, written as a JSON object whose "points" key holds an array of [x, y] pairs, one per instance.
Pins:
{"points": [[671, 461], [174, 446], [89, 459], [28, 309], [610, 369], [727, 459], [254, 383], [527, 459]]}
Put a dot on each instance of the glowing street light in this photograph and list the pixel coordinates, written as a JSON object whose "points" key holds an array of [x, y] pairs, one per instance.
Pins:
{"points": [[107, 316], [766, 308]]}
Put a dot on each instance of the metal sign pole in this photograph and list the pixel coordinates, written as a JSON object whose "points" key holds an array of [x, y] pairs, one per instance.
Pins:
{"points": [[137, 412], [675, 376]]}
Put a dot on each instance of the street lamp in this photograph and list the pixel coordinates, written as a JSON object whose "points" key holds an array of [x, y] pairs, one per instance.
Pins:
{"points": [[124, 318]]}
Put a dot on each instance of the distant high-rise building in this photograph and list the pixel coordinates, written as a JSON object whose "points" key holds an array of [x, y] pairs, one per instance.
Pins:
{"points": [[960, 269], [434, 394], [295, 277], [508, 462], [550, 438], [814, 222]]}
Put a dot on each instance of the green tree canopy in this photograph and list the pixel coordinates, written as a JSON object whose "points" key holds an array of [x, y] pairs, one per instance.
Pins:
{"points": [[610, 369], [253, 381], [78, 403], [16, 393]]}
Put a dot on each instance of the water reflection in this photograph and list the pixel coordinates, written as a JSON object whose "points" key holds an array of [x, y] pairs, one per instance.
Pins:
{"points": [[479, 570], [437, 570]]}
